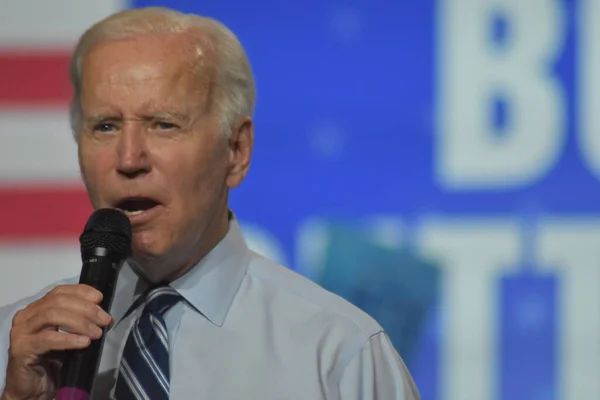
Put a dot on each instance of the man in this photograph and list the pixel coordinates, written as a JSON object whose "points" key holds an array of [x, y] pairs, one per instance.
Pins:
{"points": [[162, 118]]}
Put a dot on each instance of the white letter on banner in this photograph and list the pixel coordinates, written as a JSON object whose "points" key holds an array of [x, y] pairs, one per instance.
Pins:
{"points": [[571, 247], [473, 254], [471, 153], [589, 83]]}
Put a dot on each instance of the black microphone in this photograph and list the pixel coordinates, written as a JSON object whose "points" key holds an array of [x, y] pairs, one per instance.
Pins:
{"points": [[105, 245]]}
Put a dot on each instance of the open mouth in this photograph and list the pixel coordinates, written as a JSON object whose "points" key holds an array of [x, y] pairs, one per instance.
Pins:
{"points": [[136, 205]]}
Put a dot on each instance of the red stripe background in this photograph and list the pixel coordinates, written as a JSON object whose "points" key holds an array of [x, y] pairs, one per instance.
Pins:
{"points": [[30, 81], [33, 213]]}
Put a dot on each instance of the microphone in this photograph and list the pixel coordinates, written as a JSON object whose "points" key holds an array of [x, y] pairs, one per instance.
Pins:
{"points": [[105, 245]]}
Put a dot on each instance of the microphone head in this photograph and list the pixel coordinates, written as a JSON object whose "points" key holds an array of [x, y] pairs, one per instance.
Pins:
{"points": [[108, 228]]}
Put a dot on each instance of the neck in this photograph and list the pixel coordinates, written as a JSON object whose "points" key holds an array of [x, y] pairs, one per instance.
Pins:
{"points": [[177, 265], [212, 236]]}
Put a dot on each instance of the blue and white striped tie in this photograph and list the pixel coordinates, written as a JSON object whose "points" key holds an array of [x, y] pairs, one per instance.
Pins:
{"points": [[144, 369]]}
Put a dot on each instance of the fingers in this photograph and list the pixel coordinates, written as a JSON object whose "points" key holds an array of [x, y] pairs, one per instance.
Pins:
{"points": [[45, 317], [46, 312], [72, 309], [46, 341], [67, 320], [80, 290]]}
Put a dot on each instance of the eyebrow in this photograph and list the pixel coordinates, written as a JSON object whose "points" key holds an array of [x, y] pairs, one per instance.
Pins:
{"points": [[166, 115], [96, 118]]}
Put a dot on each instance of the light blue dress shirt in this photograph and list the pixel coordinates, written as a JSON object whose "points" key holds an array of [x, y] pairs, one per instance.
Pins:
{"points": [[252, 329]]}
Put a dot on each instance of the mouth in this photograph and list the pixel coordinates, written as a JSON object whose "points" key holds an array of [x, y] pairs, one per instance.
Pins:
{"points": [[134, 206]]}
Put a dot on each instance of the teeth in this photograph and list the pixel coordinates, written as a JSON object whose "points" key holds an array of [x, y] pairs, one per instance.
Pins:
{"points": [[132, 212]]}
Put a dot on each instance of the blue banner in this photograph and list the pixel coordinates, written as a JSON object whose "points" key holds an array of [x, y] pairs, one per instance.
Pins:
{"points": [[402, 150]]}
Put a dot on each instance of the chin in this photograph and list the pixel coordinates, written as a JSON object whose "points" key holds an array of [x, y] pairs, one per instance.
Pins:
{"points": [[150, 256], [146, 243], [143, 254], [147, 254], [151, 268]]}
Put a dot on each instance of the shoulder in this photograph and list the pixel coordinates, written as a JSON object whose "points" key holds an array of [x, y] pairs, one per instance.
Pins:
{"points": [[302, 294], [314, 326], [310, 326]]}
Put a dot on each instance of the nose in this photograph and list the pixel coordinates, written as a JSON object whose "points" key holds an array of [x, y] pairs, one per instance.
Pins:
{"points": [[132, 153]]}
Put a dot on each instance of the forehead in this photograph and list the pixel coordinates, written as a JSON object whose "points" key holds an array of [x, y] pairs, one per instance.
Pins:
{"points": [[146, 69]]}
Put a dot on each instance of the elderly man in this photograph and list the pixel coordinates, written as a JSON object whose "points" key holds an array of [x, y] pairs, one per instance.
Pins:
{"points": [[161, 115]]}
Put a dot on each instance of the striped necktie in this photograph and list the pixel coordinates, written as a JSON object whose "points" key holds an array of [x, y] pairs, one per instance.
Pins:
{"points": [[144, 369]]}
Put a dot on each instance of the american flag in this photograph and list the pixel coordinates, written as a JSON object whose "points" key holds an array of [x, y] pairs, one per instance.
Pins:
{"points": [[43, 205]]}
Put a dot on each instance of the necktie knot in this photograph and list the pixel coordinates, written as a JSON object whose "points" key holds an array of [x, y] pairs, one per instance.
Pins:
{"points": [[160, 299]]}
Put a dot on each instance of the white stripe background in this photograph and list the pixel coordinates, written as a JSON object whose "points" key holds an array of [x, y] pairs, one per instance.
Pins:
{"points": [[36, 146]]}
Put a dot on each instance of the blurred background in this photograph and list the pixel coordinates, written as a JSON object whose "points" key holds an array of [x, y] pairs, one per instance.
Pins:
{"points": [[434, 162]]}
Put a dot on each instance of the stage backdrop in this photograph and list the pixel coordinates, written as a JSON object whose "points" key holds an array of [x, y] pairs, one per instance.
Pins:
{"points": [[434, 162]]}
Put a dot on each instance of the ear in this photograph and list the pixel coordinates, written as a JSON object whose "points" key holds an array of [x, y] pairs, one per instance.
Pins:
{"points": [[240, 147]]}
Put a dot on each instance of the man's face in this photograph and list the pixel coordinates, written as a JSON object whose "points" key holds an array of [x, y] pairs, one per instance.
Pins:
{"points": [[150, 144]]}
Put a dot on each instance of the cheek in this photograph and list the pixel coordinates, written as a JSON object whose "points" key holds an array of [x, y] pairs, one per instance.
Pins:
{"points": [[194, 171], [197, 185], [93, 171], [87, 156], [94, 187], [206, 181]]}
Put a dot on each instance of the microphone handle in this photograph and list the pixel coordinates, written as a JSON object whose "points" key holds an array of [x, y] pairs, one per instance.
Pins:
{"points": [[100, 270]]}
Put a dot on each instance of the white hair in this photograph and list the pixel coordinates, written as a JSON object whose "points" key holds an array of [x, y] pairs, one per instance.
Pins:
{"points": [[235, 93]]}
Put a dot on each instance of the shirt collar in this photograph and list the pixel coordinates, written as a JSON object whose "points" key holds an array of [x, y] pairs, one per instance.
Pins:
{"points": [[209, 287]]}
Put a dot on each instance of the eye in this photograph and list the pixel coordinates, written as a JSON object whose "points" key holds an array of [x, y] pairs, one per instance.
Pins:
{"points": [[166, 126], [104, 128]]}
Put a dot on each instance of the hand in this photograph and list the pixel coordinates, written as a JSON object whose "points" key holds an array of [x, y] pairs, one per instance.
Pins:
{"points": [[36, 344]]}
